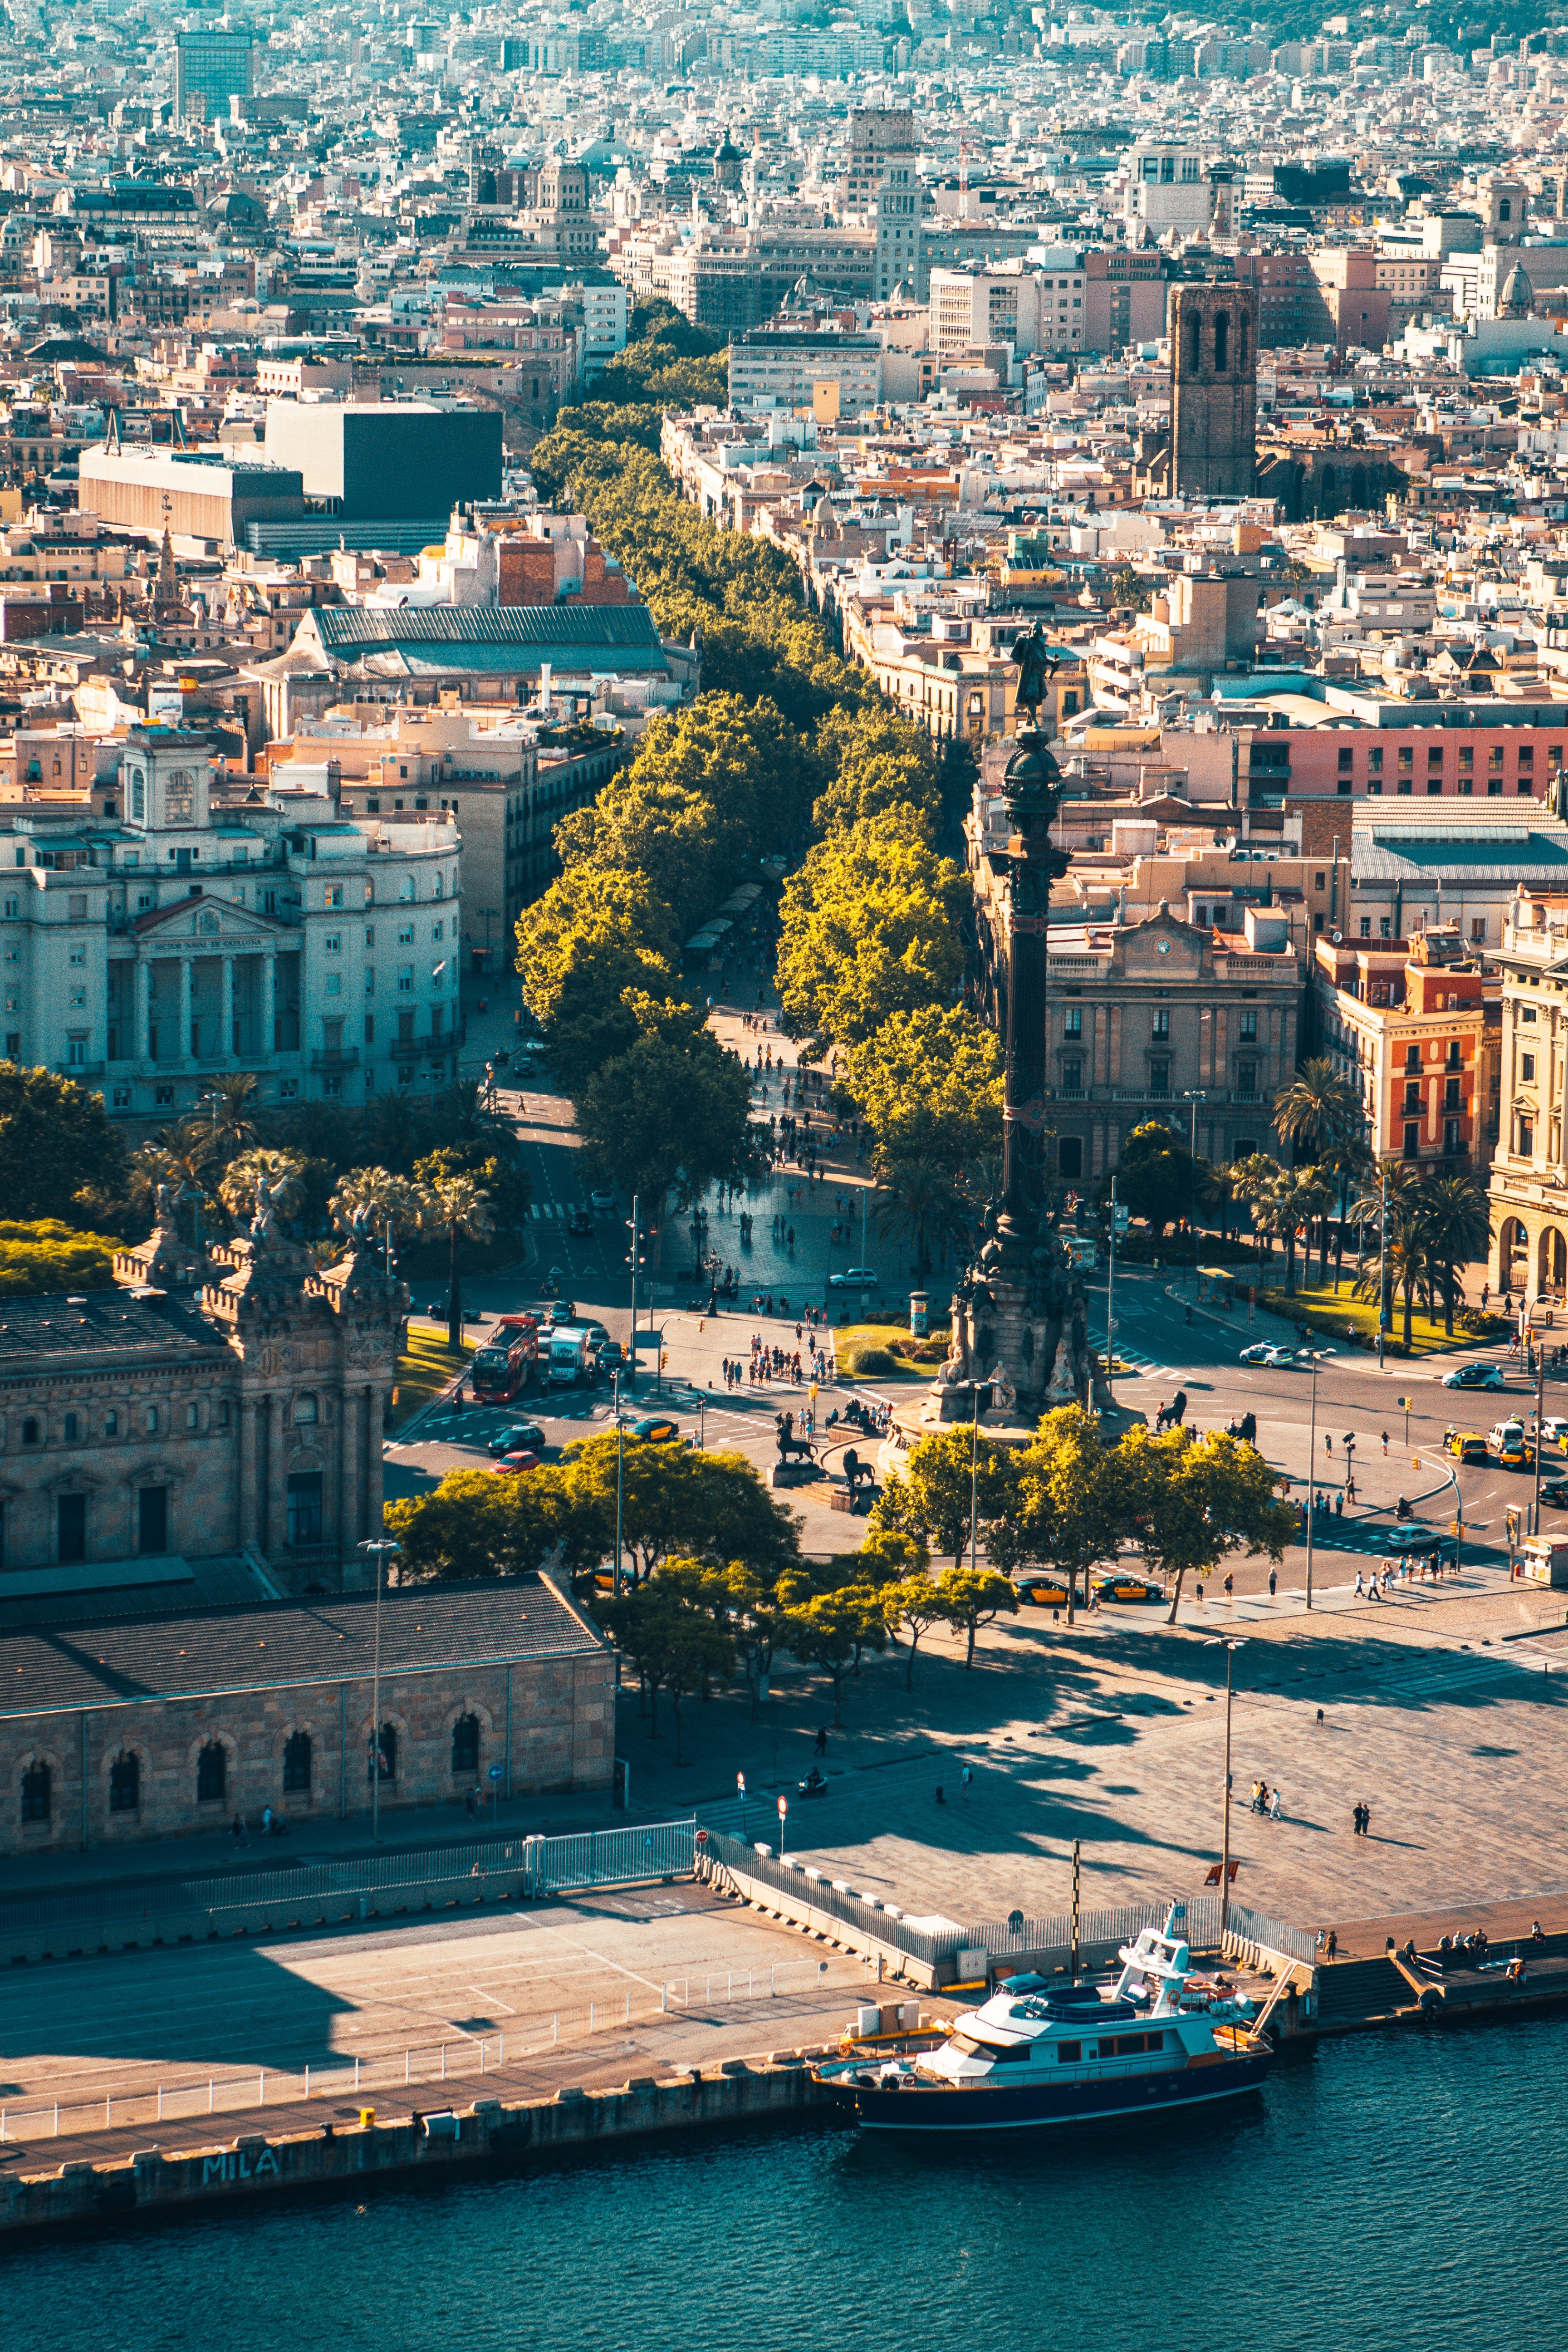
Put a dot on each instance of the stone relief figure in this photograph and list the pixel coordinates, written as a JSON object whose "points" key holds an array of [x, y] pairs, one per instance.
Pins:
{"points": [[262, 1224], [1004, 1395], [164, 1206], [954, 1372]]}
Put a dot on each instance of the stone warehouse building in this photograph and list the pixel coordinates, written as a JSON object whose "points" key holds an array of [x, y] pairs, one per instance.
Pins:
{"points": [[123, 1728]]}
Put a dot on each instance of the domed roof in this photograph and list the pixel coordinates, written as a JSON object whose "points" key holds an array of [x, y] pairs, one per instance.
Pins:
{"points": [[1519, 294], [725, 154]]}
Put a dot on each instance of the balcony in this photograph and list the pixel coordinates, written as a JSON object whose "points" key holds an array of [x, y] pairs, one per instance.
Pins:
{"points": [[346, 1057], [81, 1070]]}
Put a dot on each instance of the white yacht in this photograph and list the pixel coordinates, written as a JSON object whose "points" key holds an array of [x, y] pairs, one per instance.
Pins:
{"points": [[1039, 2052]]}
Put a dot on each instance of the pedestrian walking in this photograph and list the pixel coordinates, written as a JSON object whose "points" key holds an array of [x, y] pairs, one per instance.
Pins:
{"points": [[1274, 1804], [1320, 1716], [1331, 1946], [1366, 1819], [821, 1747], [968, 1778], [1339, 1506], [1360, 1588], [1273, 1579], [1350, 1489], [1385, 1444]]}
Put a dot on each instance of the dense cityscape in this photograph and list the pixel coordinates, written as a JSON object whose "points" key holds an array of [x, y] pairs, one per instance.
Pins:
{"points": [[742, 1134]]}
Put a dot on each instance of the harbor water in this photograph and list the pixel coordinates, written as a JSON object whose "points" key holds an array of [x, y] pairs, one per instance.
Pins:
{"points": [[1384, 2191]]}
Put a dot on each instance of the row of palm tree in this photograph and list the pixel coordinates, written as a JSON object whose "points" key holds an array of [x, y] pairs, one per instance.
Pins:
{"points": [[218, 1158]]}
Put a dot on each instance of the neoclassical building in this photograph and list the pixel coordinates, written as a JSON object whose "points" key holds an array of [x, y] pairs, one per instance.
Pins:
{"points": [[1529, 1172]]}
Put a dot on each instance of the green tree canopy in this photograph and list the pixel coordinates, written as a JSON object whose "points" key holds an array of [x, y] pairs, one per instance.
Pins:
{"points": [[872, 926], [663, 1117], [930, 1083], [45, 1256], [972, 1597], [583, 909], [478, 1525], [56, 1140], [1194, 1500]]}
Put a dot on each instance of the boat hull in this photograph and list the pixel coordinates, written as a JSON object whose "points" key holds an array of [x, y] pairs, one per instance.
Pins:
{"points": [[1036, 2107]]}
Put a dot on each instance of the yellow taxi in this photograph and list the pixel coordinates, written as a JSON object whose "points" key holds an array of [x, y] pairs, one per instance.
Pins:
{"points": [[1128, 1591], [1467, 1445], [1042, 1592]]}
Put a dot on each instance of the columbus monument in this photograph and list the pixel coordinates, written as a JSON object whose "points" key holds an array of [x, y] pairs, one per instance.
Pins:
{"points": [[1019, 1317]]}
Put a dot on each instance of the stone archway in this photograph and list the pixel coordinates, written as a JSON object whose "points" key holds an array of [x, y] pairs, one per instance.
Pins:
{"points": [[1550, 1261], [1513, 1254]]}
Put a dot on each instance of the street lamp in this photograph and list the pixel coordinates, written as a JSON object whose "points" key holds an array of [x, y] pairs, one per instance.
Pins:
{"points": [[741, 1793], [783, 1815], [378, 1550], [1194, 1097], [1315, 1356], [1230, 1648]]}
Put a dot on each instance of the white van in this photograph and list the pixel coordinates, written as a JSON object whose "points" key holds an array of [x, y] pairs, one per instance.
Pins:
{"points": [[571, 1356]]}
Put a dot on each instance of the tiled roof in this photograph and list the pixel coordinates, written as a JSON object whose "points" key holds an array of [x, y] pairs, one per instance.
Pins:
{"points": [[546, 627], [108, 1322], [200, 1652]]}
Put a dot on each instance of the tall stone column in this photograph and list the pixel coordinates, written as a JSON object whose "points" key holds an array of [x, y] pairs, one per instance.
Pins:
{"points": [[185, 1051], [226, 1044], [374, 1492], [268, 1002], [143, 1047]]}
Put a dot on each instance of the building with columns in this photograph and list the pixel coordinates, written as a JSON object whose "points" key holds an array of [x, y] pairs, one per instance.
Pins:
{"points": [[184, 934], [1529, 1168]]}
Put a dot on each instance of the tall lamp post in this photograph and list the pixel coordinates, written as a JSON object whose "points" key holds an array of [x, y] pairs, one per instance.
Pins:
{"points": [[1317, 1357], [379, 1550], [1194, 1098], [1230, 1649]]}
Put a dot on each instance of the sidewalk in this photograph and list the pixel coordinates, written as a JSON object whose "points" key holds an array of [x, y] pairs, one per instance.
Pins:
{"points": [[426, 1830]]}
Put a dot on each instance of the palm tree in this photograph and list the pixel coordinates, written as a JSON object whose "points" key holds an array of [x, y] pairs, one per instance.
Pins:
{"points": [[1401, 1178], [1347, 1161], [394, 1129], [1408, 1253], [236, 1185], [460, 1209], [1320, 1114], [179, 1155], [234, 1127], [1252, 1179], [1299, 1195], [1456, 1227], [1316, 1108], [917, 1197], [385, 1201]]}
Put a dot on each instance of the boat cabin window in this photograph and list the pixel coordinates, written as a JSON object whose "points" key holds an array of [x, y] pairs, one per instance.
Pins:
{"points": [[1018, 2054], [1070, 2053], [1127, 2045]]}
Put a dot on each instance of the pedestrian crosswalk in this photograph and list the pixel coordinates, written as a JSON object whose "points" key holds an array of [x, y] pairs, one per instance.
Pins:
{"points": [[1132, 1366]]}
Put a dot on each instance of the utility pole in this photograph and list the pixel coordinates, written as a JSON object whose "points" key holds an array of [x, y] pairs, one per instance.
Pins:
{"points": [[1383, 1266], [378, 1550], [1316, 1358], [636, 1252], [620, 1473], [1539, 1407], [974, 1477], [1230, 1648], [1111, 1305]]}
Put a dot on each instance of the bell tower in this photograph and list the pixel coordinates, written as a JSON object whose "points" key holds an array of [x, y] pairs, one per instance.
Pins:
{"points": [[1214, 390]]}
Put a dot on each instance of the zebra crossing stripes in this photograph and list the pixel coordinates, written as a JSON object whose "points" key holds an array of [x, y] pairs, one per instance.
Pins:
{"points": [[1132, 1365]]}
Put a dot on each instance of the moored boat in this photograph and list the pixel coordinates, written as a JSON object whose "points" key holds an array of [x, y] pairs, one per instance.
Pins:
{"points": [[1039, 2052]]}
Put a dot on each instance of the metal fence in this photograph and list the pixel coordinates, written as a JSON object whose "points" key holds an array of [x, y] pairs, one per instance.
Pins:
{"points": [[533, 1865]]}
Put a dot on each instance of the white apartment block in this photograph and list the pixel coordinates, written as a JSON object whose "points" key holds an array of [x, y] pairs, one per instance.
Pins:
{"points": [[157, 948], [1035, 310]]}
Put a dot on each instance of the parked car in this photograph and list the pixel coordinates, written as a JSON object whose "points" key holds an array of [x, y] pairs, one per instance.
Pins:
{"points": [[1475, 1376], [855, 1278], [524, 1459], [1130, 1591], [520, 1436]]}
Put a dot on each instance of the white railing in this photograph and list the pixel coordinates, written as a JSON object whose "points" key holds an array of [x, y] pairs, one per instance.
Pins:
{"points": [[337, 2077]]}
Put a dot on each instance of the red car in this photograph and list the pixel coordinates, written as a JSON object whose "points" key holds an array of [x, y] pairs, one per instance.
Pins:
{"points": [[516, 1462]]}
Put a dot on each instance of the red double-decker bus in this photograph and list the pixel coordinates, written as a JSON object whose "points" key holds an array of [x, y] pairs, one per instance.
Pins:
{"points": [[504, 1365]]}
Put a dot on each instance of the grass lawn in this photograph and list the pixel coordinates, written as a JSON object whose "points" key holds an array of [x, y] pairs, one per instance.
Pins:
{"points": [[426, 1370], [1331, 1315], [895, 1338]]}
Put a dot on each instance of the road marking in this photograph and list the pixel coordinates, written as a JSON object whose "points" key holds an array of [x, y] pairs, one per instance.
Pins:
{"points": [[493, 2000], [590, 1954]]}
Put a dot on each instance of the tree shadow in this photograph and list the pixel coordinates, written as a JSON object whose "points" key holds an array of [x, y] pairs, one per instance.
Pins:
{"points": [[169, 2008]]}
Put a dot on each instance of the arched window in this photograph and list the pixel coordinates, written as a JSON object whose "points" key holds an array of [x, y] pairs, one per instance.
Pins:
{"points": [[35, 1792], [388, 1753], [179, 796], [1221, 342], [1242, 325], [1194, 343], [212, 1774], [465, 1744], [125, 1784], [297, 1764], [138, 794]]}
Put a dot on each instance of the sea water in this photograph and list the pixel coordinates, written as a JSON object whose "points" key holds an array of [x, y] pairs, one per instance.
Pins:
{"points": [[1404, 2191]]}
